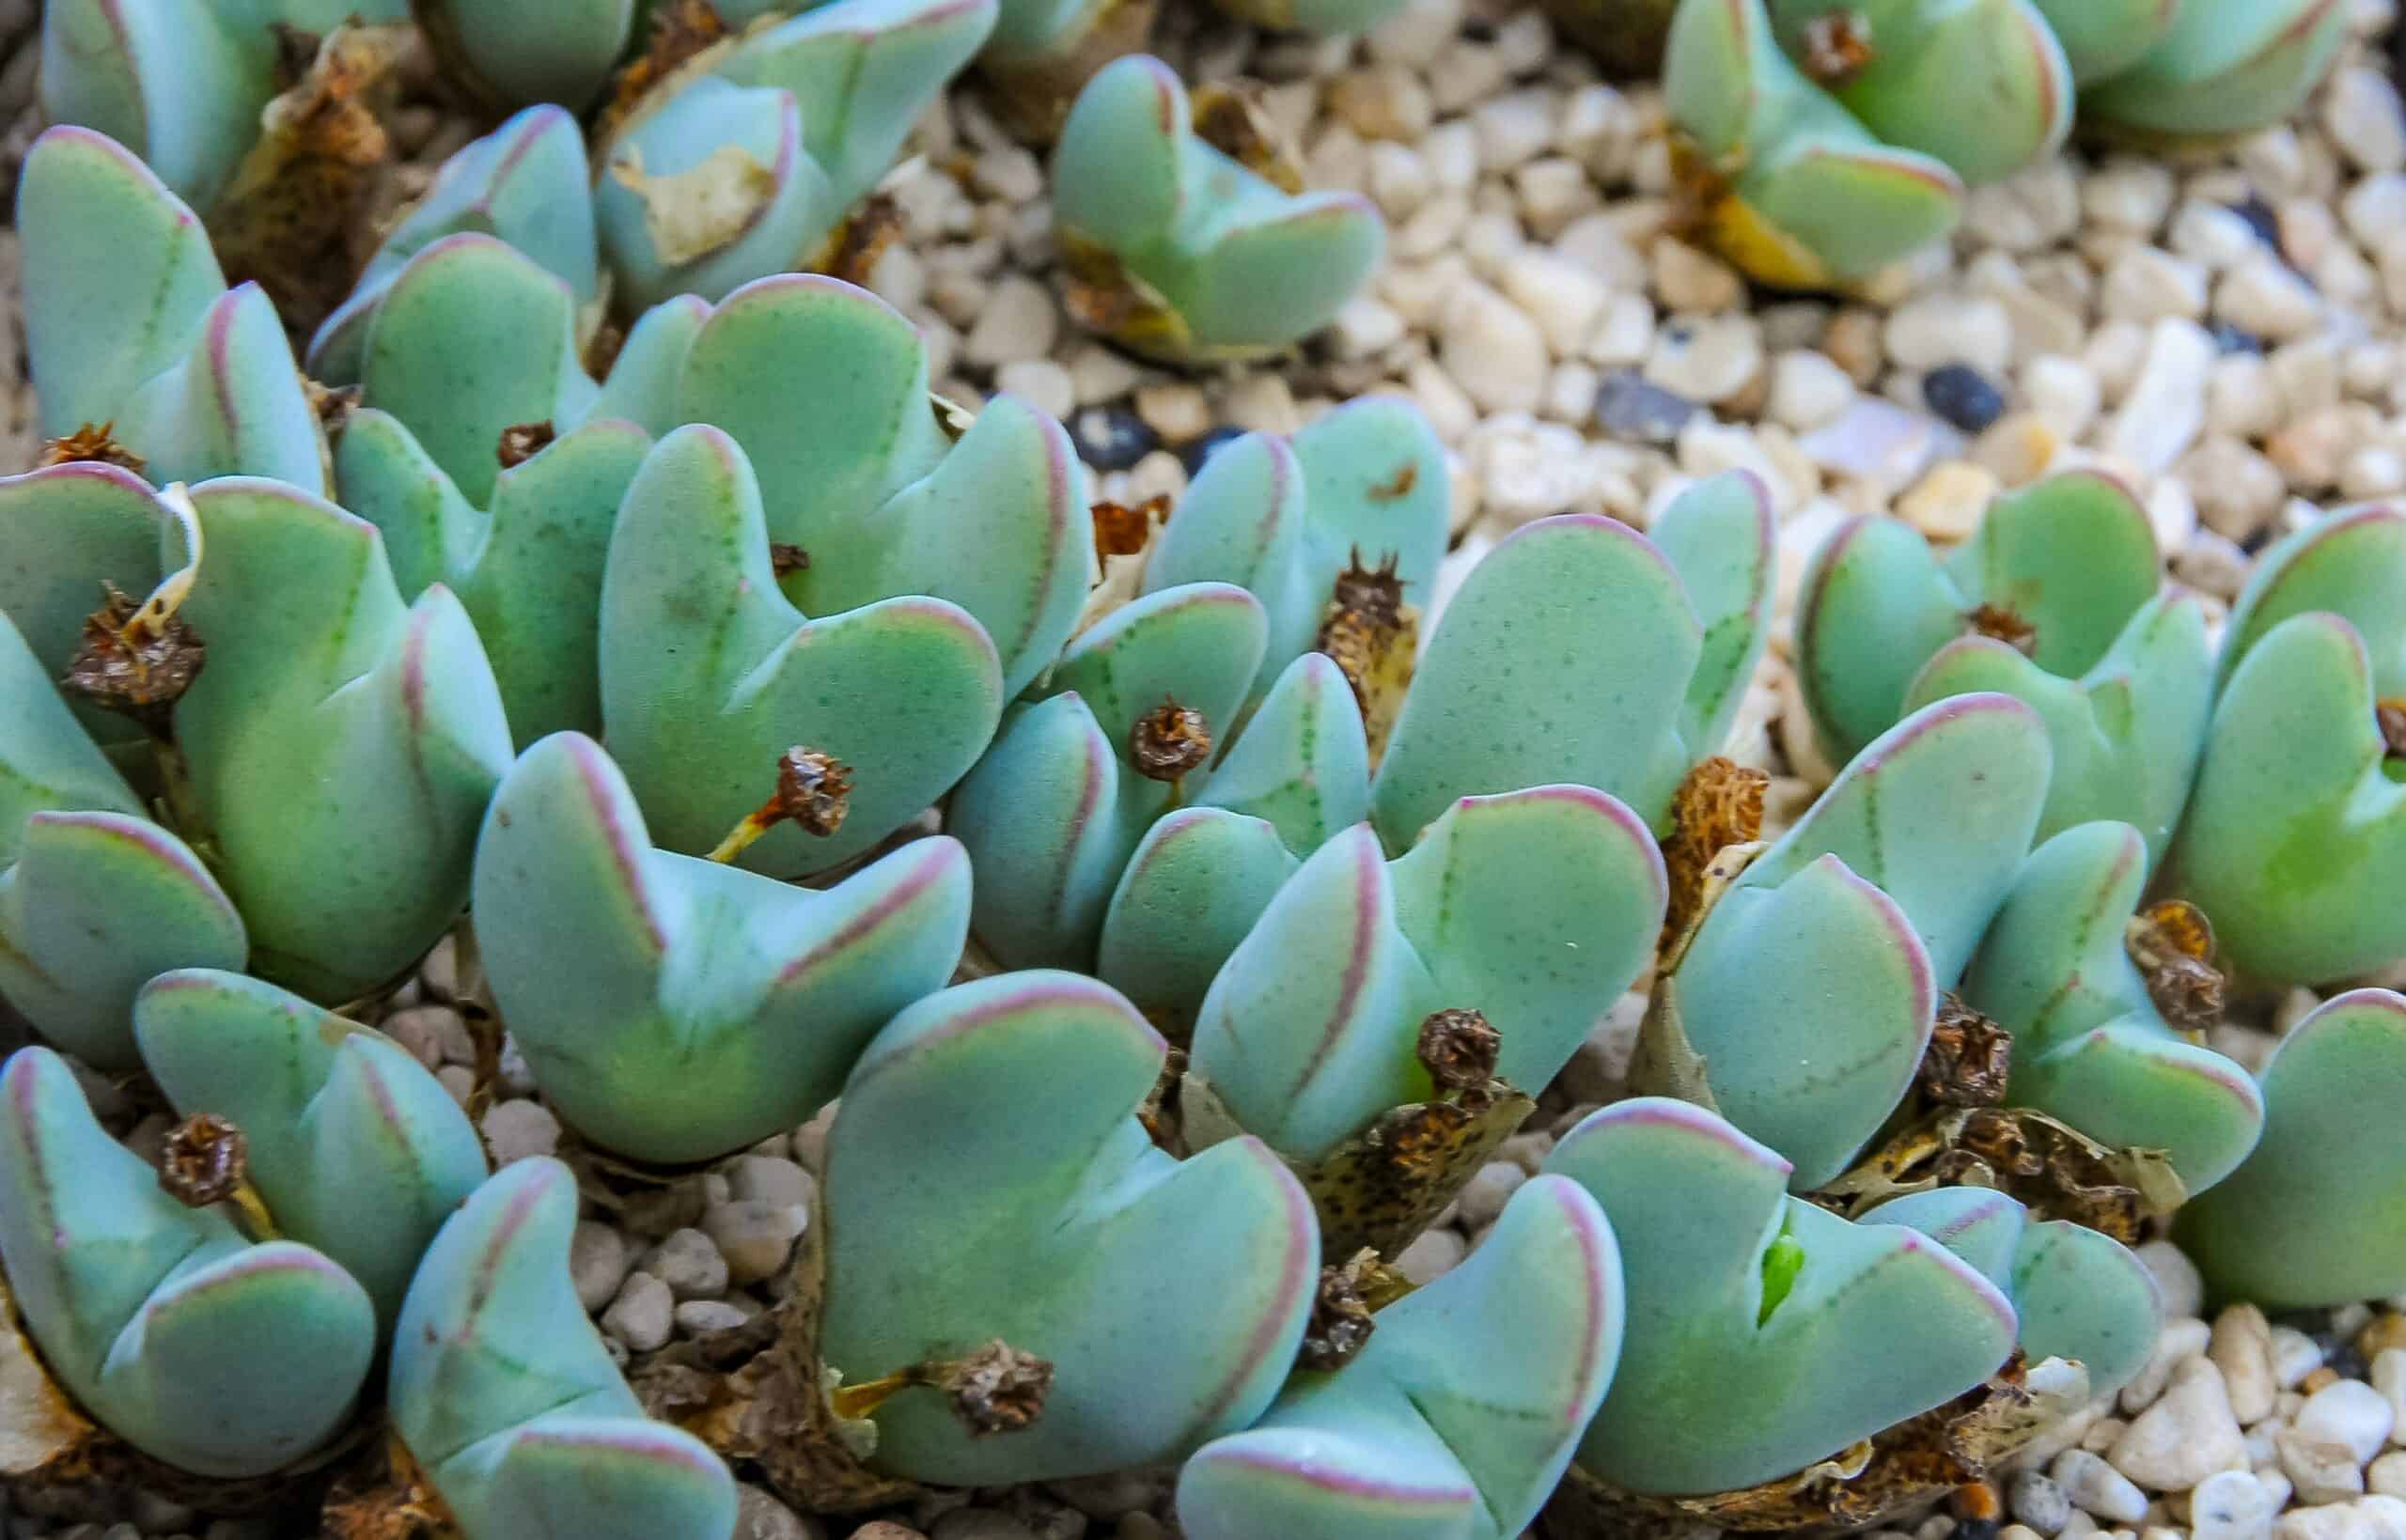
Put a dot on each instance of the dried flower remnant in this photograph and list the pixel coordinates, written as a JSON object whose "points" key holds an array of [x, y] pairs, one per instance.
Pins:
{"points": [[2391, 715], [136, 667], [1719, 804], [207, 1160], [1373, 636], [855, 246], [992, 1389], [90, 443], [1460, 1049], [785, 557], [1168, 741], [522, 441], [2173, 945], [680, 30], [1998, 623], [1232, 121], [1123, 531], [814, 789], [1341, 1320], [1967, 1060], [1837, 48]]}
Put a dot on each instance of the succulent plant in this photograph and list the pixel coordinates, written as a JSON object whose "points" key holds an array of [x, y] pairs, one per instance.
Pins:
{"points": [[2311, 1218], [276, 731], [162, 1320], [870, 495], [2092, 1045], [1031, 1079], [191, 381], [1763, 1334], [507, 1400], [181, 83], [354, 1148], [1861, 912], [1824, 140], [745, 157], [673, 1008], [1456, 1418], [1185, 235]]}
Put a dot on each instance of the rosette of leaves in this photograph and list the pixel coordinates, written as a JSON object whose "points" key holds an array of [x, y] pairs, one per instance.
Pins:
{"points": [[279, 691], [674, 1008], [139, 353], [2311, 1218], [1824, 139], [1186, 234]]}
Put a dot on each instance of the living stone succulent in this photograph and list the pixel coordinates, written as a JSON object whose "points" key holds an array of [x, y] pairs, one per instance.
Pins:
{"points": [[198, 380], [1185, 234], [180, 83], [561, 51], [1823, 139], [159, 1316]]}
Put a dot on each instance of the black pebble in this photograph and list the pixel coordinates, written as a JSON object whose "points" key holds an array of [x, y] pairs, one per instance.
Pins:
{"points": [[2261, 218], [1112, 438], [1630, 406], [1975, 1529], [2234, 339], [1200, 449], [1963, 396]]}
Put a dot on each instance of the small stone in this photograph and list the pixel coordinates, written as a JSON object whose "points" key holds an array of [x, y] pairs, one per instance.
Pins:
{"points": [[434, 1034], [2350, 1414], [1624, 334], [885, 1529], [2362, 114], [1430, 1256], [1512, 128], [1562, 297], [2322, 1472], [1017, 320], [1040, 382], [2183, 1438], [2132, 196], [689, 1265], [1807, 390], [2241, 1348], [1938, 329], [1381, 102], [2027, 211], [1112, 438], [1111, 1494], [699, 1317], [1493, 351], [1688, 279], [2166, 408], [2389, 1379], [759, 1516], [1707, 358], [1200, 449], [1628, 405], [459, 1080], [1139, 1526], [520, 1131], [1177, 412], [2295, 1355], [1960, 395], [2213, 236], [642, 1314], [2063, 391], [2386, 1475], [1947, 505], [2263, 295], [2231, 1505], [1852, 342], [979, 1524], [754, 1238], [1873, 441], [154, 1514], [2146, 284], [598, 1260], [2039, 1502], [2095, 1485], [1483, 1197], [2372, 472], [1367, 326], [770, 1179]]}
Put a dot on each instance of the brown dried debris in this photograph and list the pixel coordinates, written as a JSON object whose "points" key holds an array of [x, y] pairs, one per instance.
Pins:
{"points": [[1340, 1323], [785, 557], [1719, 804], [1460, 1049], [1169, 740], [1968, 1058], [205, 1161], [1159, 1112], [996, 1389], [1837, 48], [90, 443], [522, 441], [1122, 531], [1230, 117], [1371, 635], [2173, 945], [332, 405], [852, 251], [385, 1496], [680, 29], [2390, 717], [136, 667], [1998, 623], [814, 789], [2045, 1165]]}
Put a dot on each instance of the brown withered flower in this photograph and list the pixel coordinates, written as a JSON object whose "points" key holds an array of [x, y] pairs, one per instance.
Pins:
{"points": [[522, 441], [1968, 1057], [138, 669], [1169, 740], [91, 442], [996, 1389], [2172, 943], [1460, 1049], [1998, 623], [205, 1161], [1340, 1323]]}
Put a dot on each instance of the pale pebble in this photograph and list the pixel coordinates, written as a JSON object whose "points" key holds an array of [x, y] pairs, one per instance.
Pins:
{"points": [[2231, 1505], [1041, 383], [642, 1314], [2360, 112], [1806, 389], [520, 1130], [2166, 408], [1493, 351], [1562, 297], [2186, 1436], [2350, 1414], [2241, 1348], [1706, 359], [2148, 283], [1939, 329], [2263, 296], [598, 1262], [2178, 1341]]}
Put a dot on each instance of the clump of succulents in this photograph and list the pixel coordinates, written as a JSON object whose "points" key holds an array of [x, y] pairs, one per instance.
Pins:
{"points": [[1824, 139], [1186, 230]]}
